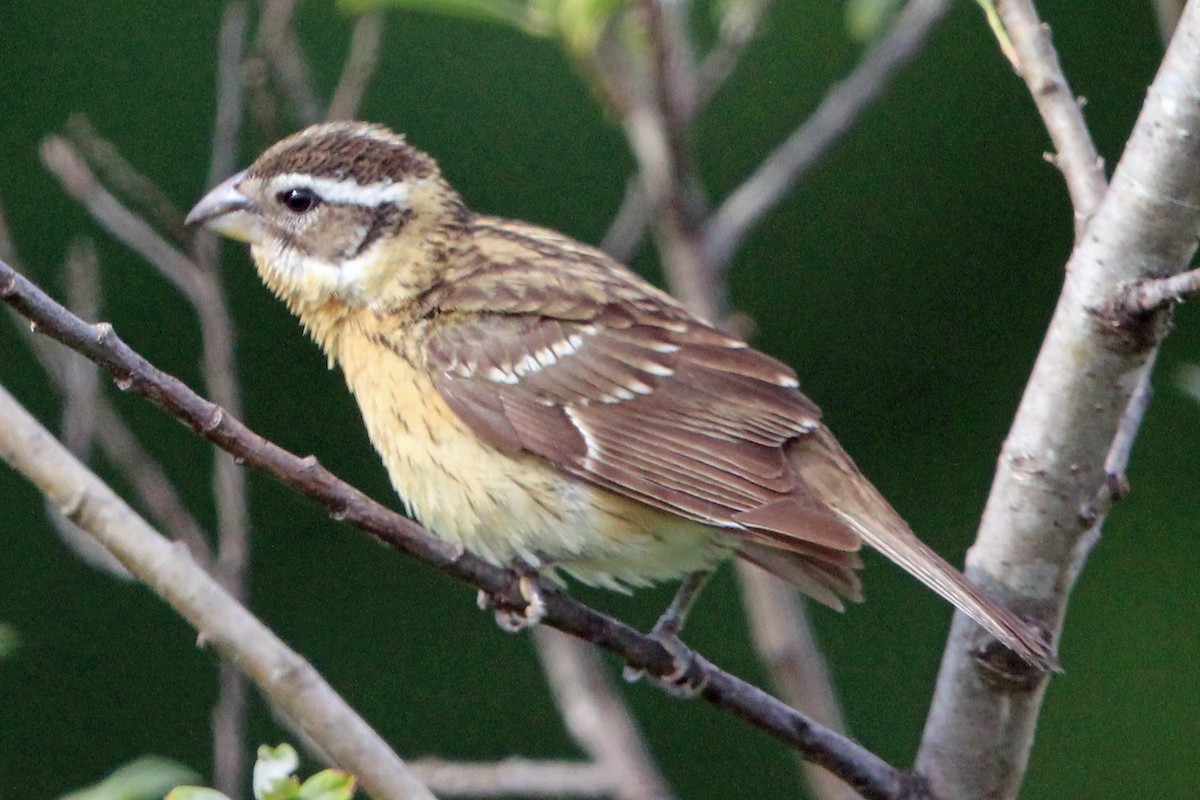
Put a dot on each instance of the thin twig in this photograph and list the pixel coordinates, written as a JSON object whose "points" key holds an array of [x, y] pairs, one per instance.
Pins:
{"points": [[79, 383], [738, 27], [227, 121], [659, 131], [1061, 112], [597, 718], [123, 450], [360, 65], [841, 107], [513, 777], [1116, 484], [1075, 405], [788, 649], [278, 45], [81, 378], [222, 622], [670, 188], [228, 721], [628, 226], [150, 482], [125, 179], [1154, 294], [65, 163], [870, 775]]}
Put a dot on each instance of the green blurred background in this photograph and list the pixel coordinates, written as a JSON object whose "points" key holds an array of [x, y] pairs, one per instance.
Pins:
{"points": [[908, 281]]}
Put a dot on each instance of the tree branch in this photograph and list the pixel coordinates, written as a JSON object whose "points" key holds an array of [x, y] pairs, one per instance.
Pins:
{"points": [[839, 110], [1075, 153], [597, 719], [513, 777], [360, 66], [866, 772], [221, 620], [279, 48], [1153, 294], [980, 730], [788, 649]]}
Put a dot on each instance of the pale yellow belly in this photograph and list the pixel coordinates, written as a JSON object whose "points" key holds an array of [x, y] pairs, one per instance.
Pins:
{"points": [[503, 506]]}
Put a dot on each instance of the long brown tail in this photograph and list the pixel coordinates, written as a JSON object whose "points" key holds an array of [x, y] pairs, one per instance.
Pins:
{"points": [[831, 475]]}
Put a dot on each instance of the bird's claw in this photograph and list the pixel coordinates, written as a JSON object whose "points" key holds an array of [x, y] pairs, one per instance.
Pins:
{"points": [[515, 620], [679, 680]]}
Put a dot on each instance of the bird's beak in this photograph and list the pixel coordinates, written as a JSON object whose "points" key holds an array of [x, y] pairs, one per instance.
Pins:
{"points": [[229, 212]]}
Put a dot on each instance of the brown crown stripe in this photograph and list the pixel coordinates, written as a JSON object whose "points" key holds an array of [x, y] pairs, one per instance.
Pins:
{"points": [[365, 154]]}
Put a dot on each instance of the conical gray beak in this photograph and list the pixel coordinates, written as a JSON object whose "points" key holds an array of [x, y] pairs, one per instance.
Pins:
{"points": [[227, 211]]}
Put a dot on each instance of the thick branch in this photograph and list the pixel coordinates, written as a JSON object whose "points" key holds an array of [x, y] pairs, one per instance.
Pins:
{"points": [[1053, 464], [869, 774], [221, 620]]}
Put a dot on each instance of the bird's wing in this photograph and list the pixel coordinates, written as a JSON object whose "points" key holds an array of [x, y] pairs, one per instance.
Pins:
{"points": [[611, 380], [546, 346]]}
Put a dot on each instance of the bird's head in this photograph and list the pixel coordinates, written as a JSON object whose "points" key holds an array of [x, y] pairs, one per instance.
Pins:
{"points": [[345, 214]]}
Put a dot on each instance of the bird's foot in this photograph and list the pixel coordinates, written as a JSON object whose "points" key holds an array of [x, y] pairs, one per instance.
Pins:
{"points": [[680, 680], [514, 620]]}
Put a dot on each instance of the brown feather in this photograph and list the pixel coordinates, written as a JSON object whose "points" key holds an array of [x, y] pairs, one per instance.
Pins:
{"points": [[587, 366]]}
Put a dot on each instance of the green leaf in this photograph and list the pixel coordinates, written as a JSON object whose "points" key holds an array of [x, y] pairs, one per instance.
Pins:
{"points": [[10, 641], [330, 784], [194, 793], [273, 778], [867, 19], [579, 24], [998, 30], [147, 778]]}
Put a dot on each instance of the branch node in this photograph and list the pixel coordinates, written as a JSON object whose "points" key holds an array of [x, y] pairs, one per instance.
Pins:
{"points": [[1132, 321], [1154, 294], [214, 421], [103, 330], [124, 381], [72, 507], [1005, 671], [309, 464], [1113, 488]]}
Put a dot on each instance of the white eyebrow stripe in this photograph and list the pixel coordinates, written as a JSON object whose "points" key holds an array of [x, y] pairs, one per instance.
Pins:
{"points": [[346, 190]]}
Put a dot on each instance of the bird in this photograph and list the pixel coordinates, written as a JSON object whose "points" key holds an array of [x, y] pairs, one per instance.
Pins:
{"points": [[540, 405]]}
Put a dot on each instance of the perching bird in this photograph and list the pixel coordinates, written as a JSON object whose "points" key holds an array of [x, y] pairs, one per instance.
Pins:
{"points": [[539, 404]]}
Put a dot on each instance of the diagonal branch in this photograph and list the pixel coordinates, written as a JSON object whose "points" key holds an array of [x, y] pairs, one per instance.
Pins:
{"points": [[1055, 460], [365, 45], [597, 718], [866, 772], [788, 649], [779, 172], [221, 620], [1075, 153]]}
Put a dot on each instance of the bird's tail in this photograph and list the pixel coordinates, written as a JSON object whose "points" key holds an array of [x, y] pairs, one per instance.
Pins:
{"points": [[831, 475]]}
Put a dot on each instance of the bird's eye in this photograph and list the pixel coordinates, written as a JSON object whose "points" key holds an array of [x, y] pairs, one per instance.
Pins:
{"points": [[298, 201]]}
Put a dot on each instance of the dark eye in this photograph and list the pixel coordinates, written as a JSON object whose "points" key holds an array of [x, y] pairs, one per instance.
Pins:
{"points": [[299, 200]]}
